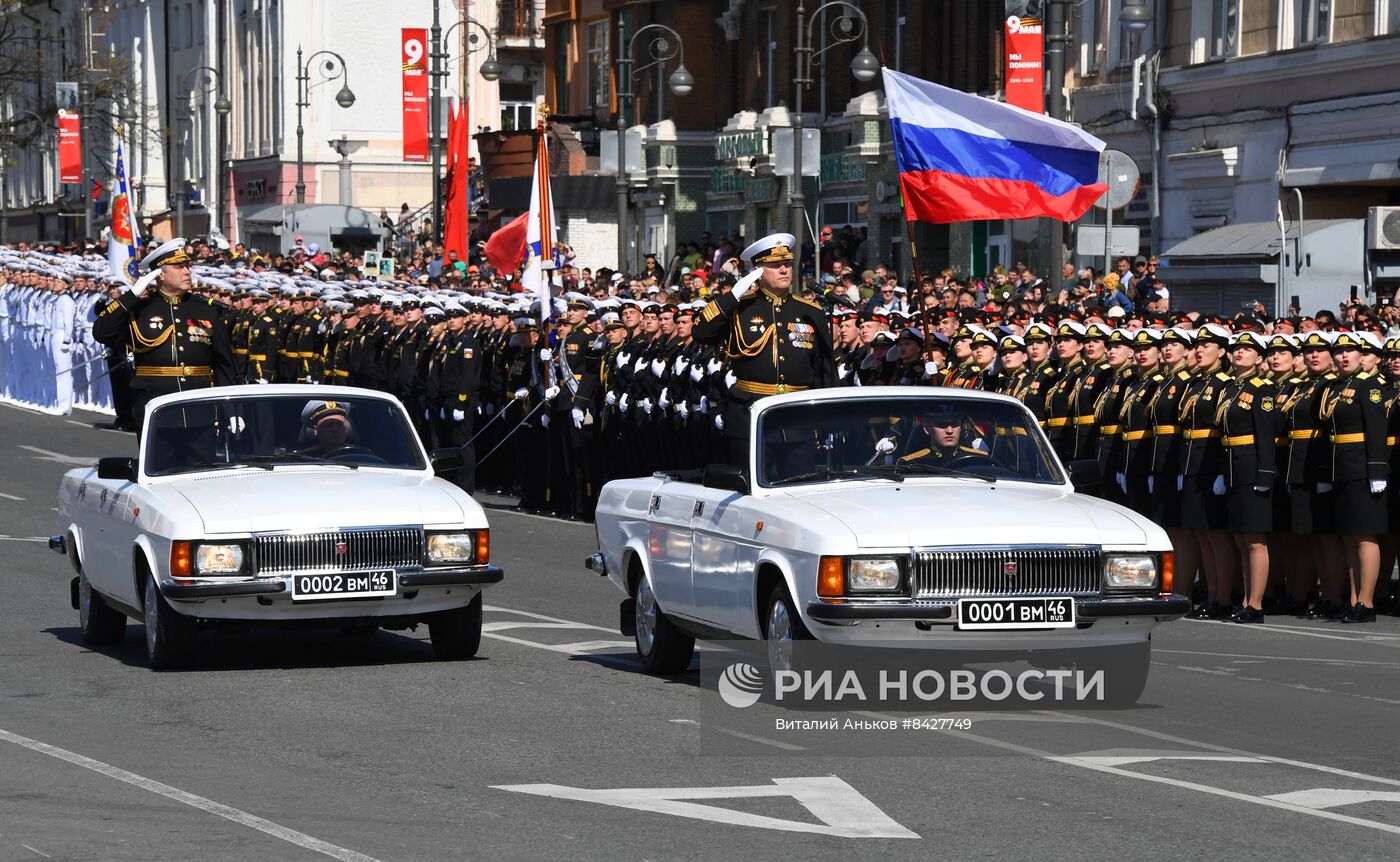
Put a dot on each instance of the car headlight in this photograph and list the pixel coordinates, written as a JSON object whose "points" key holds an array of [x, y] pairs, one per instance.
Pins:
{"points": [[873, 576], [218, 559], [1130, 572], [448, 549]]}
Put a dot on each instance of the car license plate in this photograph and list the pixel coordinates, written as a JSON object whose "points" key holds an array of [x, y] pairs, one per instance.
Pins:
{"points": [[343, 585], [1003, 614]]}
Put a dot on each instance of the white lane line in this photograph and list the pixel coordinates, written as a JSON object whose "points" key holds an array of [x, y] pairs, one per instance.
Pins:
{"points": [[1375, 640], [59, 457], [208, 806], [91, 427], [579, 648], [12, 497], [32, 850], [558, 521], [534, 616], [1268, 658], [1389, 701], [739, 734], [1334, 797]]}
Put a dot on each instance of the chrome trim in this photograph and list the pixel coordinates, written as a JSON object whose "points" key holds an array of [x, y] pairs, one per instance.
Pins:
{"points": [[970, 572], [367, 549]]}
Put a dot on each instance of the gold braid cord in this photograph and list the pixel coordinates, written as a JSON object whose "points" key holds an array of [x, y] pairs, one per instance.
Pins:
{"points": [[141, 344], [739, 346]]}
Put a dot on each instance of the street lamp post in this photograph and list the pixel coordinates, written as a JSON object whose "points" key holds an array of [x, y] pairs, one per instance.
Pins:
{"points": [[681, 82], [437, 70], [330, 71], [208, 80], [864, 67]]}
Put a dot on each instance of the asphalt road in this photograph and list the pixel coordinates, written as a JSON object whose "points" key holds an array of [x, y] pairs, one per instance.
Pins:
{"points": [[1272, 742]]}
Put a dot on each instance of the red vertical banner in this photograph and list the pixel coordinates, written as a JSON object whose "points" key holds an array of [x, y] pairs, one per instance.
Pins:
{"points": [[414, 54], [70, 148], [1025, 63]]}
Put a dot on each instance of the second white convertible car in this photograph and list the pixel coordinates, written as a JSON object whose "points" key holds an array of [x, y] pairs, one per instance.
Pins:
{"points": [[275, 505], [885, 517]]}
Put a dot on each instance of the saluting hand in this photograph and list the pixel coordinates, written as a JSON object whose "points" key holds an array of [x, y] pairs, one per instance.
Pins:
{"points": [[742, 286]]}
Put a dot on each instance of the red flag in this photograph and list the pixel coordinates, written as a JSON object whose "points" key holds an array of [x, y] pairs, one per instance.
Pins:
{"points": [[506, 247], [455, 218], [97, 188]]}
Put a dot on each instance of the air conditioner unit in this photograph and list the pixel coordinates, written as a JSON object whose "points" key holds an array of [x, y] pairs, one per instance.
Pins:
{"points": [[1383, 229]]}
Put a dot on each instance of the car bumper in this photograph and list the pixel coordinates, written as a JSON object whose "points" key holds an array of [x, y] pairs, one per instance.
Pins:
{"points": [[279, 588], [1172, 607]]}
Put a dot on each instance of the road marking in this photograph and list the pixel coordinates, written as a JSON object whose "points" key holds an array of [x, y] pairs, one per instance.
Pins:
{"points": [[534, 616], [1126, 759], [23, 539], [1267, 658], [557, 521], [91, 427], [739, 734], [208, 806], [1334, 797], [58, 457], [12, 497], [579, 648], [843, 811], [32, 850], [1230, 672], [1377, 640]]}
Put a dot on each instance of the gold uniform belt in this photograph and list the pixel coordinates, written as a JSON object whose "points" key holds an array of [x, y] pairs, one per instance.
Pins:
{"points": [[1130, 436], [1348, 438], [287, 353], [1201, 433], [1057, 422], [1308, 434], [1108, 430], [311, 354], [240, 351], [1164, 430], [767, 388], [1242, 440], [259, 357], [174, 371], [341, 372], [1083, 420]]}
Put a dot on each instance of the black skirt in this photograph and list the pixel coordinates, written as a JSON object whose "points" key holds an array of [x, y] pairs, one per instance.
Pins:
{"points": [[1357, 510], [1248, 511], [1163, 505], [1311, 513], [1200, 508]]}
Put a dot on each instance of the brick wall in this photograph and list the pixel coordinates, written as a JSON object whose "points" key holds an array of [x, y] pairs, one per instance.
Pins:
{"points": [[592, 234]]}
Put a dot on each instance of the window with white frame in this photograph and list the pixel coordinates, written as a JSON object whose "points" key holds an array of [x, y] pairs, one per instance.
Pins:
{"points": [[1312, 21], [517, 106], [1224, 29], [1087, 28], [1387, 17], [598, 84]]}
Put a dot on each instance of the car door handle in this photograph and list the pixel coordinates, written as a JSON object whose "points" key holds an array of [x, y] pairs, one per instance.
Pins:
{"points": [[698, 510], [655, 503]]}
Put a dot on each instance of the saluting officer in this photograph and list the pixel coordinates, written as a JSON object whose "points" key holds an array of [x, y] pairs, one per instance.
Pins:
{"points": [[775, 342], [178, 338]]}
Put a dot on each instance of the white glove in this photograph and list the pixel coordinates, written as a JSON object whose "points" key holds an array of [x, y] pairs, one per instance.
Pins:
{"points": [[841, 370], [262, 379], [144, 282], [610, 399], [621, 359], [1180, 482], [1218, 489], [697, 373], [544, 420], [622, 405], [1261, 489], [658, 367], [713, 366], [577, 415], [719, 423], [1122, 482], [681, 364], [236, 426], [442, 412], [645, 404], [458, 416], [521, 394], [664, 400], [550, 393], [1377, 486], [885, 445], [930, 368], [546, 354], [1151, 484], [704, 406], [1324, 487], [639, 365], [683, 408], [729, 379], [892, 355], [742, 286], [490, 409], [427, 413]]}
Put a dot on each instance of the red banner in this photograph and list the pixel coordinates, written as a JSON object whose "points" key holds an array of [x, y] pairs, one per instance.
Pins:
{"points": [[1025, 63], [414, 55], [70, 148]]}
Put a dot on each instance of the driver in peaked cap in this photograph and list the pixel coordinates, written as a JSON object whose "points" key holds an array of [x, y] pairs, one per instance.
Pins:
{"points": [[775, 342], [178, 338]]}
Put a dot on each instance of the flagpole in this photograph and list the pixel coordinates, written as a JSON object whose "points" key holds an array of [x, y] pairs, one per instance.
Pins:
{"points": [[918, 280]]}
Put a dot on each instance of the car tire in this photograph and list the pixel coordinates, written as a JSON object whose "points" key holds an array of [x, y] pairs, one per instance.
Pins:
{"points": [[456, 634], [169, 634], [100, 624], [782, 629], [662, 648]]}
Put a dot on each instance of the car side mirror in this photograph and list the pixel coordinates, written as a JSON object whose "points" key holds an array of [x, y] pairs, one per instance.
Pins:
{"points": [[1085, 475], [725, 477], [445, 460], [123, 469]]}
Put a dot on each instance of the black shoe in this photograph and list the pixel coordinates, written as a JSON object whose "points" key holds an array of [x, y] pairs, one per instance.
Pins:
{"points": [[1249, 615], [1202, 612], [1320, 609], [1220, 612], [1339, 613], [1360, 614], [1236, 610]]}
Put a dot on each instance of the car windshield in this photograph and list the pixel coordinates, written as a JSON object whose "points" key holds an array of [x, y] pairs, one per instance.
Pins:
{"points": [[897, 438], [267, 431]]}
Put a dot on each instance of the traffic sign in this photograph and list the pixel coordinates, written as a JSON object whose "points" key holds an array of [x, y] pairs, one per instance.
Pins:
{"points": [[1118, 170]]}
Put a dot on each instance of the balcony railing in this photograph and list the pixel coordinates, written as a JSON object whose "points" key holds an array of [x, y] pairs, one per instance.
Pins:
{"points": [[517, 20]]}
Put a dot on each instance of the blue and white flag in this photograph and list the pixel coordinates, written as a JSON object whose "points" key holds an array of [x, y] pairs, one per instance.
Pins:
{"points": [[124, 242]]}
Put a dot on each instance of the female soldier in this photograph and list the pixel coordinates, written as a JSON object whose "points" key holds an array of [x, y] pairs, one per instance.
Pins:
{"points": [[1308, 468], [1287, 553], [1162, 489], [1388, 541], [1200, 471], [1247, 420], [1135, 421], [1354, 409]]}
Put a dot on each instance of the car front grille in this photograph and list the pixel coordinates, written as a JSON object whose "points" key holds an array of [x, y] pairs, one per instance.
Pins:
{"points": [[338, 551], [955, 572]]}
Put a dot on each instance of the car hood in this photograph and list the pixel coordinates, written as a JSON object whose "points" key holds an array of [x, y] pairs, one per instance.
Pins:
{"points": [[921, 513], [255, 501]]}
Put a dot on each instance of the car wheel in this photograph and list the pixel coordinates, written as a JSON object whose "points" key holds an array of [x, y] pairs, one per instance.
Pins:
{"points": [[456, 634], [169, 634], [662, 648], [99, 622], [782, 630]]}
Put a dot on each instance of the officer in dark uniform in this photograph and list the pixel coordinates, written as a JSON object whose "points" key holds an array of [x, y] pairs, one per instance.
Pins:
{"points": [[1200, 475], [775, 342], [1060, 395], [178, 339], [1135, 420], [459, 360], [1248, 419], [1039, 341], [262, 340]]}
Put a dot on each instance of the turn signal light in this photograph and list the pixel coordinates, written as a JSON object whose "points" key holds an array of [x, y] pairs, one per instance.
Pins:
{"points": [[483, 547], [1168, 571], [831, 578], [180, 559]]}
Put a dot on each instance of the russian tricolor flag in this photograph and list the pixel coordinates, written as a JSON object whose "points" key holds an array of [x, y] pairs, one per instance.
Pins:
{"points": [[962, 157]]}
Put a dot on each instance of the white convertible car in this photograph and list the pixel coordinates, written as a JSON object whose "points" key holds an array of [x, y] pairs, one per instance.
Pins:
{"points": [[910, 517], [281, 505]]}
